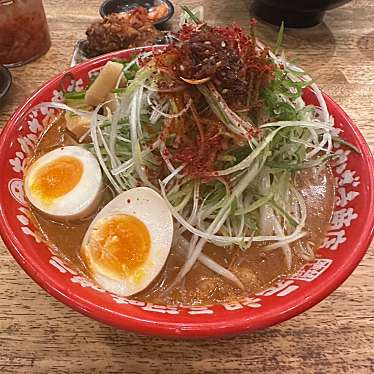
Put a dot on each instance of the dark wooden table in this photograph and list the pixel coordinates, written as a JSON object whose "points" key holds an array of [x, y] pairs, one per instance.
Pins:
{"points": [[40, 335]]}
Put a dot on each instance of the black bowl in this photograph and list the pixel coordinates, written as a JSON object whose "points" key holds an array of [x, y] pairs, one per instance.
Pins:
{"points": [[118, 6], [5, 81], [294, 13]]}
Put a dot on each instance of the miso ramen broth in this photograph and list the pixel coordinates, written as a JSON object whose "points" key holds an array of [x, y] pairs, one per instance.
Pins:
{"points": [[255, 267]]}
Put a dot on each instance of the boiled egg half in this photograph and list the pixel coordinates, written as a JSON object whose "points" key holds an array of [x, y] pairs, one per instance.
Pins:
{"points": [[128, 242], [65, 183]]}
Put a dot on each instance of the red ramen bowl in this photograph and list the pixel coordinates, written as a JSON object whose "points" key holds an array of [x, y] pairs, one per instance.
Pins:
{"points": [[345, 244]]}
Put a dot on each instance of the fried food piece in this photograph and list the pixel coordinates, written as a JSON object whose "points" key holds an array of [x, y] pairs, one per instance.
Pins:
{"points": [[121, 31]]}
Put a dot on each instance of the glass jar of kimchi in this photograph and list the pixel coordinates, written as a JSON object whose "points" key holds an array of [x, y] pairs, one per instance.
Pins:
{"points": [[24, 34]]}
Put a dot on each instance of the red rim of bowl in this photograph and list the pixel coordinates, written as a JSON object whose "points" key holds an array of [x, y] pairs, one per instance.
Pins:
{"points": [[234, 325]]}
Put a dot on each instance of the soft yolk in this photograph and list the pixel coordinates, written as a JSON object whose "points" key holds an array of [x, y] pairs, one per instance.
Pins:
{"points": [[121, 244], [57, 178]]}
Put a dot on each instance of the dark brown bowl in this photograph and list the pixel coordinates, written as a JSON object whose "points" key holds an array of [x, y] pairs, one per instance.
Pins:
{"points": [[118, 6], [294, 13], [5, 81]]}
